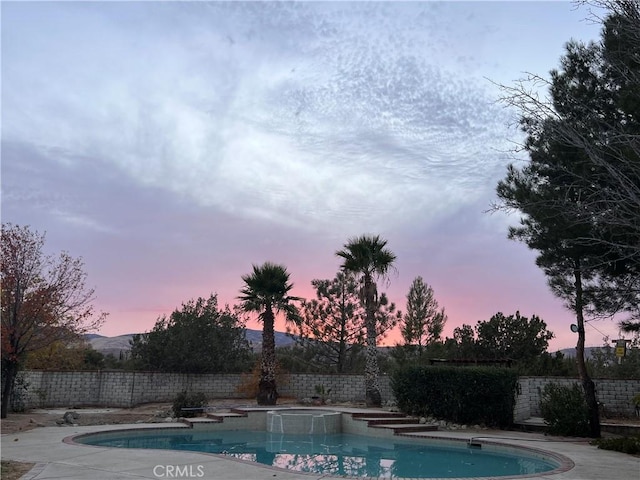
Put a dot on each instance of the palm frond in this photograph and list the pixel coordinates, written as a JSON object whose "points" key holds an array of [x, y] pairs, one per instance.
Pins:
{"points": [[367, 255], [267, 288]]}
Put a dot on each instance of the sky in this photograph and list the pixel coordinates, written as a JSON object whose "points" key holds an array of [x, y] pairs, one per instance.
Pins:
{"points": [[172, 145]]}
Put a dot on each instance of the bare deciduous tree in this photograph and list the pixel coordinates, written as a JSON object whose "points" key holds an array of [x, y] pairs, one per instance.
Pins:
{"points": [[44, 300]]}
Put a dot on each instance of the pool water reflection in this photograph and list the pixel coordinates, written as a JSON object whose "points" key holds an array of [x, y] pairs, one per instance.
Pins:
{"points": [[336, 454]]}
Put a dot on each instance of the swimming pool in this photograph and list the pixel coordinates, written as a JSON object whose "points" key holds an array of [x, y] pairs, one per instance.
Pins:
{"points": [[337, 454]]}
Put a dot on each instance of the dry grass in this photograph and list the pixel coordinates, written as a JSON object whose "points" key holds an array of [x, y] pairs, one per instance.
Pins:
{"points": [[10, 470]]}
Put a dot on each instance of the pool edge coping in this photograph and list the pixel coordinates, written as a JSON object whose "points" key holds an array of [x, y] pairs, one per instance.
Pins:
{"points": [[565, 463]]}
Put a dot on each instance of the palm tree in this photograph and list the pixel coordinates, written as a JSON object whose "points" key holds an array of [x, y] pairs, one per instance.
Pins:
{"points": [[367, 257], [266, 291]]}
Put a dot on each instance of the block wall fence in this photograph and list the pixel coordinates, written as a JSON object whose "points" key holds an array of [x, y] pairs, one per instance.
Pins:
{"points": [[107, 388], [110, 388], [615, 396]]}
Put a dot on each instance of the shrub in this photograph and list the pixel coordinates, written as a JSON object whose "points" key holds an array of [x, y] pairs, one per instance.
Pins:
{"points": [[467, 395], [630, 445], [565, 410], [248, 385], [249, 382], [188, 400]]}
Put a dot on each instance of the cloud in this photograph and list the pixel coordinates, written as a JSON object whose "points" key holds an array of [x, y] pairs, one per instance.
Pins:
{"points": [[326, 121], [173, 144]]}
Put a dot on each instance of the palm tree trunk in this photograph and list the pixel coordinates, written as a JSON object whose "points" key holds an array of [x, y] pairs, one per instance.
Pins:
{"points": [[342, 346], [267, 392], [587, 384], [371, 370]]}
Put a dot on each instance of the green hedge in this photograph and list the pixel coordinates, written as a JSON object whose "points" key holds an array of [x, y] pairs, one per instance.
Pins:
{"points": [[466, 395]]}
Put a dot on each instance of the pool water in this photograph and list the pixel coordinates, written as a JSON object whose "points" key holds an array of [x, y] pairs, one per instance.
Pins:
{"points": [[335, 454]]}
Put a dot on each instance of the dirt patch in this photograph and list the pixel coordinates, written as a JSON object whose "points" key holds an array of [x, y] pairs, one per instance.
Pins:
{"points": [[20, 422], [148, 413], [621, 421], [14, 470]]}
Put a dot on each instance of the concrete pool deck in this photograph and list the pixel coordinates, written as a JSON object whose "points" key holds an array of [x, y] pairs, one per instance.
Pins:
{"points": [[56, 459]]}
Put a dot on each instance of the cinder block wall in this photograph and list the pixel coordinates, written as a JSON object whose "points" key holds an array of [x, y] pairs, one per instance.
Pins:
{"points": [[126, 389], [615, 396], [522, 409], [344, 388]]}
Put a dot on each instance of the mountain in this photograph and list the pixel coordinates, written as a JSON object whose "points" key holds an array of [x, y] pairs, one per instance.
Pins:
{"points": [[122, 343], [91, 336], [254, 337], [571, 352], [110, 345]]}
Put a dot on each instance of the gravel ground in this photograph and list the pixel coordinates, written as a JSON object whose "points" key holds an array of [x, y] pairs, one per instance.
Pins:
{"points": [[148, 413], [16, 422]]}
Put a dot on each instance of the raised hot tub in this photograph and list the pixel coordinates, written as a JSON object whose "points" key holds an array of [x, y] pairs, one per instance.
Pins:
{"points": [[304, 421]]}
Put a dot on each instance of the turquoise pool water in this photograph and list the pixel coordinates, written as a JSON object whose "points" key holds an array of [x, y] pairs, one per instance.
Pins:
{"points": [[338, 454]]}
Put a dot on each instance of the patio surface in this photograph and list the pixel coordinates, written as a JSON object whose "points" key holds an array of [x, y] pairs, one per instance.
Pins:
{"points": [[56, 459]]}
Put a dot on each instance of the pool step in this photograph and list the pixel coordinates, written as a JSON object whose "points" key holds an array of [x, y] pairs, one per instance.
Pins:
{"points": [[241, 411], [375, 421], [209, 418], [222, 415], [397, 422], [365, 415], [193, 421], [401, 428]]}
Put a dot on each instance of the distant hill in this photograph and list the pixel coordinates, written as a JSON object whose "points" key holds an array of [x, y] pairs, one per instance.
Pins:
{"points": [[122, 343], [91, 336], [255, 339], [110, 345], [571, 352]]}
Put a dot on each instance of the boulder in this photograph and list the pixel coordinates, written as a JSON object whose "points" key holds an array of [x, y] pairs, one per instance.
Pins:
{"points": [[70, 417]]}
